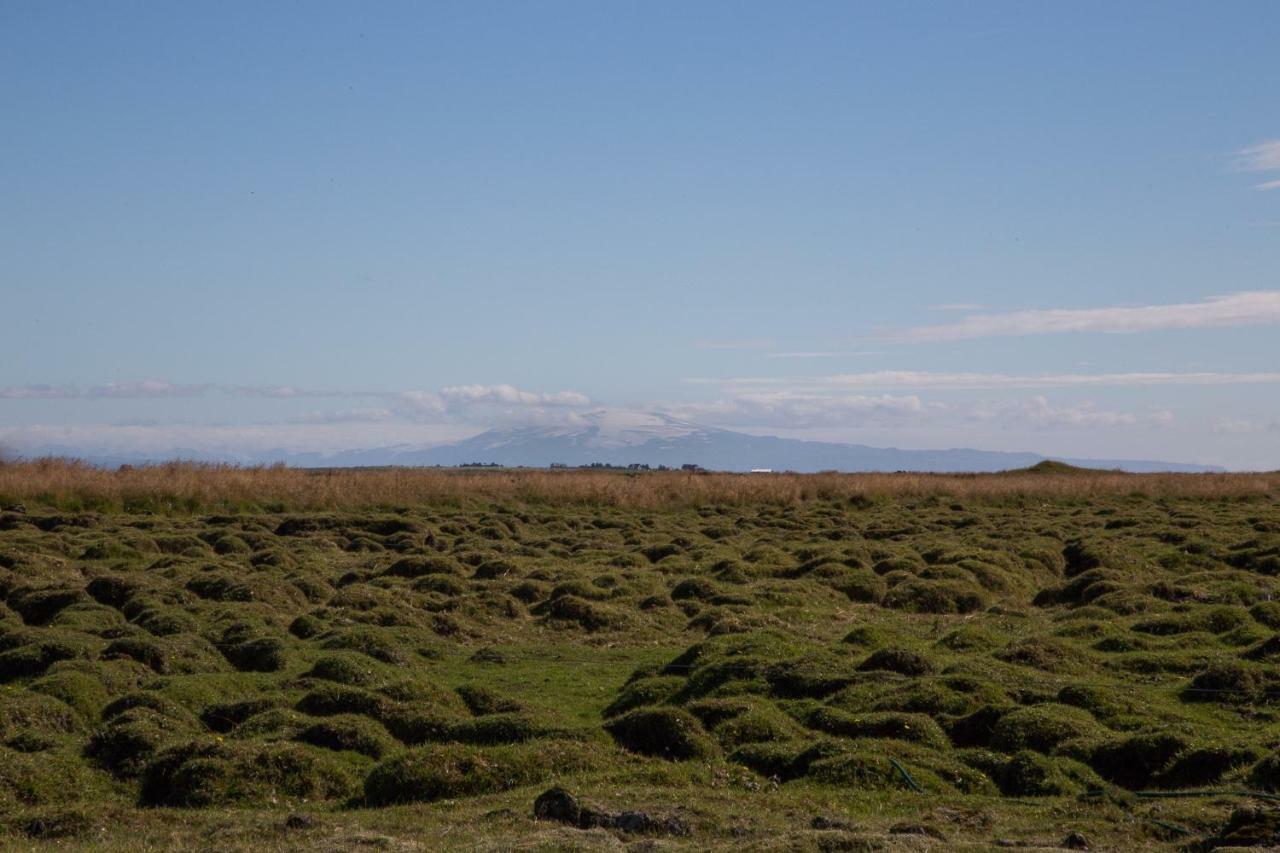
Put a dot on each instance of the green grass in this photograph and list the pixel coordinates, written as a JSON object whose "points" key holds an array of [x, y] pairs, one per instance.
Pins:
{"points": [[834, 673]]}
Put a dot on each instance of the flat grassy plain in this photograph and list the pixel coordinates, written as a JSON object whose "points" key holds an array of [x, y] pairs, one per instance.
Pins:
{"points": [[198, 657]]}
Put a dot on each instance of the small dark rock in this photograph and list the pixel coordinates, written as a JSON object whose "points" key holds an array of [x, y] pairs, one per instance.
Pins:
{"points": [[559, 805], [824, 822], [643, 822]]}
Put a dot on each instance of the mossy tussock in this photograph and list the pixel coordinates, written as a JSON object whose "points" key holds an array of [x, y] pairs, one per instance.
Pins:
{"points": [[1019, 649]]}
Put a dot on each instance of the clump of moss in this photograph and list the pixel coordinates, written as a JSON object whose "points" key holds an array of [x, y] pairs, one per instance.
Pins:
{"points": [[144, 651], [482, 700], [114, 590], [915, 728], [1227, 683], [45, 779], [694, 588], [651, 690], [129, 739], [1104, 703], [450, 771], [306, 626], [1029, 774], [373, 642], [1042, 727], [506, 727], [348, 732], [38, 606], [262, 654], [1266, 613], [969, 638], [346, 668], [738, 721], [225, 716], [1039, 653], [1134, 761], [82, 692], [671, 733], [201, 774], [901, 661], [865, 636], [25, 713], [1247, 827], [330, 699], [587, 614], [35, 658], [935, 596], [1203, 765]]}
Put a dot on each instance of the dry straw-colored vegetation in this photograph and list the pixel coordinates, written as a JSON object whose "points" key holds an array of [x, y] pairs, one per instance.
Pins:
{"points": [[69, 484]]}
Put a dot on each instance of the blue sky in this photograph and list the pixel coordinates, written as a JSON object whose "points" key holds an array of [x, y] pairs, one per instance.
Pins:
{"points": [[336, 225]]}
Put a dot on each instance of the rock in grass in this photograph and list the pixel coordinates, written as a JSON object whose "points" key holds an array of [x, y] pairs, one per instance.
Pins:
{"points": [[557, 804]]}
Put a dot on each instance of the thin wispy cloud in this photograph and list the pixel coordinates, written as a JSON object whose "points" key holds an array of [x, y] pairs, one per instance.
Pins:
{"points": [[734, 344], [229, 441], [993, 381], [145, 389], [510, 395], [820, 354], [346, 416], [1039, 413], [1252, 308], [443, 399], [1263, 157], [955, 306], [290, 392]]}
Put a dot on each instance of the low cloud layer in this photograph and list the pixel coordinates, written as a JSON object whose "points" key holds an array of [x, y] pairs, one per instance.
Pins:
{"points": [[445, 399], [1253, 308], [145, 389], [994, 381], [796, 409], [882, 406]]}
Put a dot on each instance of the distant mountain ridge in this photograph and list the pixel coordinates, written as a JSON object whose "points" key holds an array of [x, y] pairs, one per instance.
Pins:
{"points": [[625, 438]]}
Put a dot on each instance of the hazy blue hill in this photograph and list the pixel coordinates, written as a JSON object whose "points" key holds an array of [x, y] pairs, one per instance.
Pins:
{"points": [[722, 450], [625, 438]]}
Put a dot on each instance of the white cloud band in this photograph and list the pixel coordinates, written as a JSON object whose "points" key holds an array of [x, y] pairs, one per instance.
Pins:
{"points": [[1252, 308]]}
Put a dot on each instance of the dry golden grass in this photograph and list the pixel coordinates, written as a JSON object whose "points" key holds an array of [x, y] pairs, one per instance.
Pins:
{"points": [[192, 486]]}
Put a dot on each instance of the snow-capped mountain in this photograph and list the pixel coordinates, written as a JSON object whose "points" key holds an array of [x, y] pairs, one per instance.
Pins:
{"points": [[650, 438], [619, 437]]}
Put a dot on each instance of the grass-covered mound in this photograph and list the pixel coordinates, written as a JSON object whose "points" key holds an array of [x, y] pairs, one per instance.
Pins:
{"points": [[789, 655]]}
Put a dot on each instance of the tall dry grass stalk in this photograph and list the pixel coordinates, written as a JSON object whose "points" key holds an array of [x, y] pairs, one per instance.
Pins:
{"points": [[190, 487]]}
